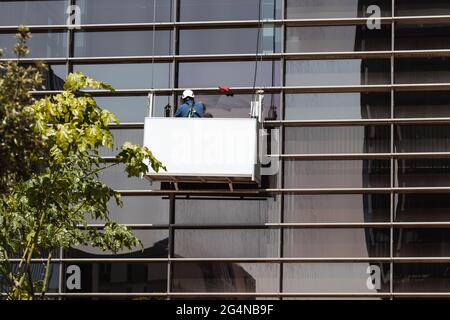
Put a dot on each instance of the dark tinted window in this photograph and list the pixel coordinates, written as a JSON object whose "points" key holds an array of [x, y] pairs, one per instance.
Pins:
{"points": [[422, 207], [426, 104], [422, 36], [421, 8], [426, 70], [422, 138]]}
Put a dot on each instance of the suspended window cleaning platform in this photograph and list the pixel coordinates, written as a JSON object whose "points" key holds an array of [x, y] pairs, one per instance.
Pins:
{"points": [[206, 150]]}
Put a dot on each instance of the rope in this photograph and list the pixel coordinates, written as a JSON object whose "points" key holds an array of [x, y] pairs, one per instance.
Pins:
{"points": [[257, 46], [153, 43]]}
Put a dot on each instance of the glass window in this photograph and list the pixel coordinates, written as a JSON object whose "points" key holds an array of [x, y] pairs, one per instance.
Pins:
{"points": [[422, 138], [132, 43], [422, 277], [314, 9], [133, 108], [427, 104], [37, 274], [155, 244], [116, 178], [337, 174], [140, 210], [422, 36], [343, 208], [327, 243], [231, 73], [426, 70], [210, 10], [423, 173], [54, 77], [337, 39], [35, 12], [322, 106], [229, 41], [121, 136], [225, 277], [422, 207], [335, 277], [129, 75], [226, 211], [327, 140], [120, 277], [234, 243], [421, 8], [431, 242], [337, 72], [237, 105], [119, 11], [41, 45]]}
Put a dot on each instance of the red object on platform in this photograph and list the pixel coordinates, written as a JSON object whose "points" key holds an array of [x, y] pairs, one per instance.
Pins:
{"points": [[225, 89]]}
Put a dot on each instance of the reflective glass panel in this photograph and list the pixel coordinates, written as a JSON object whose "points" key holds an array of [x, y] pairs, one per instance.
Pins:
{"points": [[421, 8], [422, 36], [426, 70], [132, 43], [422, 207], [337, 174], [321, 106], [327, 140], [225, 277], [423, 173], [427, 104], [433, 242], [129, 75], [237, 105], [120, 277], [154, 242], [326, 243], [226, 211], [229, 41], [313, 9], [119, 11], [208, 10], [133, 108], [337, 72], [41, 45], [335, 277], [233, 243], [325, 208], [337, 39], [231, 73], [422, 138], [34, 12], [422, 277]]}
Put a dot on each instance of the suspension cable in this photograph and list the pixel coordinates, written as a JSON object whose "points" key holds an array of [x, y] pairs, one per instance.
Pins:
{"points": [[257, 46]]}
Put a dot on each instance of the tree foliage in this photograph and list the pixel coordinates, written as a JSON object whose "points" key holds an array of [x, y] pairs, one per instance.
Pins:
{"points": [[49, 173]]}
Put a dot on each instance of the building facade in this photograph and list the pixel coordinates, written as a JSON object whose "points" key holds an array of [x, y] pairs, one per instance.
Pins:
{"points": [[360, 91]]}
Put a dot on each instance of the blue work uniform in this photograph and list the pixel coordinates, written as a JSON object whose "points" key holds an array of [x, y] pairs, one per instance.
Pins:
{"points": [[185, 110]]}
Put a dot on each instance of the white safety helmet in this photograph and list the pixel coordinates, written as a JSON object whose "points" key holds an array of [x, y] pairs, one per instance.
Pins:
{"points": [[188, 93]]}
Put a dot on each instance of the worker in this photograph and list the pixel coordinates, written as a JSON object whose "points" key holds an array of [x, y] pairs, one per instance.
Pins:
{"points": [[190, 108]]}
